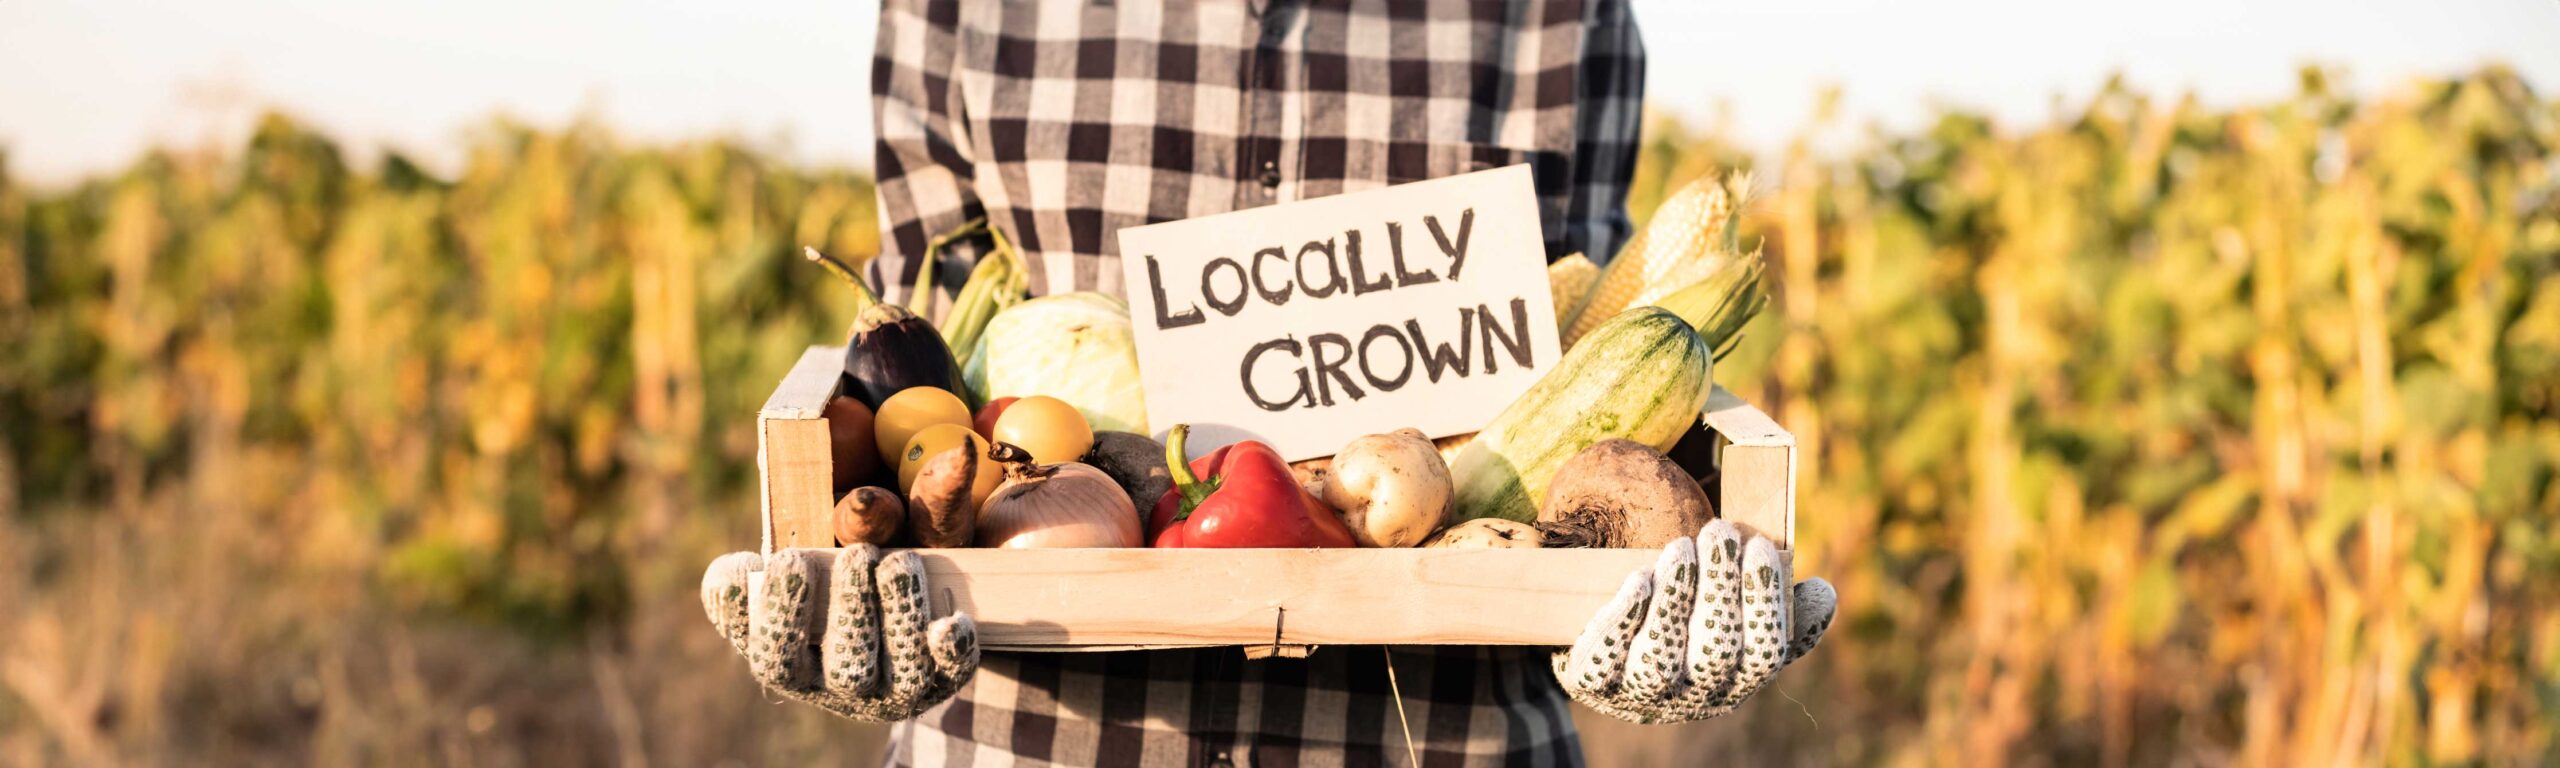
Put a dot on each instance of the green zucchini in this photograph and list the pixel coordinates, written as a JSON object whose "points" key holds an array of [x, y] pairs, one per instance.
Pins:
{"points": [[1643, 376]]}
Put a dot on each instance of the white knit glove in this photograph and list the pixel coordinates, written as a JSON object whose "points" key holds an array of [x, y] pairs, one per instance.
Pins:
{"points": [[1680, 644], [871, 605]]}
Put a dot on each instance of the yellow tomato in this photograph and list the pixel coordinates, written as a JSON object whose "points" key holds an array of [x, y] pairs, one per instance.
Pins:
{"points": [[1046, 426], [908, 412], [943, 437]]}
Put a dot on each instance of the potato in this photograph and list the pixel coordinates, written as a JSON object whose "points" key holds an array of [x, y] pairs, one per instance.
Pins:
{"points": [[1393, 489], [1311, 473], [1487, 533]]}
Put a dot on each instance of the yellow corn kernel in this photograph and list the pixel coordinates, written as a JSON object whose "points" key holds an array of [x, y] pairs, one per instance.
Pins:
{"points": [[1568, 279], [1683, 230]]}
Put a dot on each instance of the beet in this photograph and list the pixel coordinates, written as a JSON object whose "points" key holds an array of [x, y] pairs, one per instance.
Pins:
{"points": [[1622, 494]]}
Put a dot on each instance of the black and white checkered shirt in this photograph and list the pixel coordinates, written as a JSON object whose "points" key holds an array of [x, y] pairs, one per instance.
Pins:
{"points": [[1067, 121], [1064, 122], [1213, 707]]}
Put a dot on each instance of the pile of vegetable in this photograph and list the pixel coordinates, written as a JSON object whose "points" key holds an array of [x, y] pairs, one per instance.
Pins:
{"points": [[1034, 433], [1579, 459]]}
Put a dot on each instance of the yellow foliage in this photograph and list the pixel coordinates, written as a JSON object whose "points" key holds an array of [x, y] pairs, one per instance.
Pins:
{"points": [[2157, 433]]}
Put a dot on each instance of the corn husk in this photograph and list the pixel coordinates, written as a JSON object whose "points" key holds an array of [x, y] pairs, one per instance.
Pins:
{"points": [[1680, 245], [1720, 304]]}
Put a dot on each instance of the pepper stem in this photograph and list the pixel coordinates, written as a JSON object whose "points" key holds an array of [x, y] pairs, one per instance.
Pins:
{"points": [[1194, 491]]}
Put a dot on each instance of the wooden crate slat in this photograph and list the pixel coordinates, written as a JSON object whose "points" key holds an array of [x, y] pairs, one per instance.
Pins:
{"points": [[804, 391], [1759, 492], [1120, 599], [1742, 423], [799, 482], [1048, 599], [1758, 468], [794, 454]]}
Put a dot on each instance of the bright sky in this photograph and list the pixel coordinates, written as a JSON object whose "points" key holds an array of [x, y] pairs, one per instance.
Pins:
{"points": [[87, 84]]}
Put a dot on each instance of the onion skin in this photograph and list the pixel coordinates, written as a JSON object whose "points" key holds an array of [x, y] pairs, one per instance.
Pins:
{"points": [[1056, 506]]}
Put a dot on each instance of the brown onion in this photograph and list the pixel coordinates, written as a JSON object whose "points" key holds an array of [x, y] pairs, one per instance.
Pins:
{"points": [[1051, 506]]}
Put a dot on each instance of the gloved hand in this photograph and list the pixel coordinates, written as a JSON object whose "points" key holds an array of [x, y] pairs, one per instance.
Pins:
{"points": [[870, 605], [1680, 643]]}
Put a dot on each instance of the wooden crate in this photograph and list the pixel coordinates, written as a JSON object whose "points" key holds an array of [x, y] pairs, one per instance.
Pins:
{"points": [[1269, 600]]}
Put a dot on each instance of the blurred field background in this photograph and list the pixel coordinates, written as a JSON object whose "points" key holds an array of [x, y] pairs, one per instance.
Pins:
{"points": [[2149, 434]]}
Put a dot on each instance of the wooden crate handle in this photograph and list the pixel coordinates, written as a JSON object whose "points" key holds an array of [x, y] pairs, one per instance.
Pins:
{"points": [[795, 464], [1757, 464]]}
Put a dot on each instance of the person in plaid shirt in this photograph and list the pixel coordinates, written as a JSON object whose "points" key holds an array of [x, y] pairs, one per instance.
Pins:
{"points": [[1063, 122]]}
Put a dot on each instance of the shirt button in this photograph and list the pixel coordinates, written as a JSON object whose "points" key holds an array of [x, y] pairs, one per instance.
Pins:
{"points": [[1270, 176]]}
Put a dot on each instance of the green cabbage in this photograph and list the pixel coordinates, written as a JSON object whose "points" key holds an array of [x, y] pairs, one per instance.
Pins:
{"points": [[1075, 347]]}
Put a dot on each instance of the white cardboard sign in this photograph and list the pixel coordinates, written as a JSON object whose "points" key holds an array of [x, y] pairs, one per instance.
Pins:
{"points": [[1307, 324]]}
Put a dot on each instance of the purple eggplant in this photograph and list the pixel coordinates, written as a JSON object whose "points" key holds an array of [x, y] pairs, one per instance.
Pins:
{"points": [[890, 348], [893, 349]]}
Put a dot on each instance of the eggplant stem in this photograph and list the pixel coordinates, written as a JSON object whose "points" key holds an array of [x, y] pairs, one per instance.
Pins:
{"points": [[1193, 490], [861, 289]]}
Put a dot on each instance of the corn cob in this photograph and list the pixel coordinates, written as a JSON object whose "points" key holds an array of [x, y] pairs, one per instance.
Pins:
{"points": [[1718, 306], [995, 283], [976, 302], [1568, 279], [921, 300], [1684, 230], [1715, 261]]}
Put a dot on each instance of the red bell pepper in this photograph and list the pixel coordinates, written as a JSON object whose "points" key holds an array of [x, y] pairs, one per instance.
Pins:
{"points": [[1248, 500]]}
